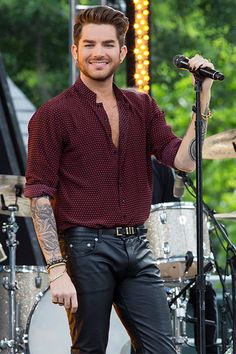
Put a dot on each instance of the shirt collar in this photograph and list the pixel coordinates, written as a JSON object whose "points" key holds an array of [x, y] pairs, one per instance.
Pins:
{"points": [[81, 88]]}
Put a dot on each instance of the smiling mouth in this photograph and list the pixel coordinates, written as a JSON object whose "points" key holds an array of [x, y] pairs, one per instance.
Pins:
{"points": [[98, 64]]}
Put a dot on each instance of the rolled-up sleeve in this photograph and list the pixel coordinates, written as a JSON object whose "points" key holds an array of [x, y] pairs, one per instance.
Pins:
{"points": [[44, 151], [164, 143]]}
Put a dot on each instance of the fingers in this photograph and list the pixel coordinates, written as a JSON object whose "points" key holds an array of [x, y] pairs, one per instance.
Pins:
{"points": [[68, 302], [64, 293], [198, 61], [74, 303]]}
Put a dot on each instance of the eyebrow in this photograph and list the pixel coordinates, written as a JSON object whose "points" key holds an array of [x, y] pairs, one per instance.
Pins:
{"points": [[92, 42]]}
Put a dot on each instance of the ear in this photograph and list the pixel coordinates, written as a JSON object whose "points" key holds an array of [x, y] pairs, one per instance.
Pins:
{"points": [[123, 53], [74, 51]]}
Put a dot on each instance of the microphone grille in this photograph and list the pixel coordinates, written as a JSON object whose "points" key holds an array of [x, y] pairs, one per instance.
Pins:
{"points": [[177, 59]]}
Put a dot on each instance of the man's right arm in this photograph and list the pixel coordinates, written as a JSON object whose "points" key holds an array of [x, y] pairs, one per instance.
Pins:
{"points": [[45, 227], [62, 289]]}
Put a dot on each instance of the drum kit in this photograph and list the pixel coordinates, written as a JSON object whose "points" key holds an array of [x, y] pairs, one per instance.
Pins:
{"points": [[29, 319]]}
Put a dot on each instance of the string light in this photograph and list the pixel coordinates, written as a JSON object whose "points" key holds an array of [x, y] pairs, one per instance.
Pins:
{"points": [[141, 50]]}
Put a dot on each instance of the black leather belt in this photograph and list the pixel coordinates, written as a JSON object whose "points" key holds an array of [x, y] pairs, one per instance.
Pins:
{"points": [[119, 231]]}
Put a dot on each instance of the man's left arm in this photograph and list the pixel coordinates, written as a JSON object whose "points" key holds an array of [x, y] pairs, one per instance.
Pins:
{"points": [[185, 158]]}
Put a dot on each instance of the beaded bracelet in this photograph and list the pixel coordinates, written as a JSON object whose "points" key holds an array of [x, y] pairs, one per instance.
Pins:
{"points": [[55, 265], [204, 116], [55, 261], [207, 116], [57, 276]]}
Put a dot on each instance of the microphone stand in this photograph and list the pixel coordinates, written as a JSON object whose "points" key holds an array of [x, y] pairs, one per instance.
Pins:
{"points": [[200, 279]]}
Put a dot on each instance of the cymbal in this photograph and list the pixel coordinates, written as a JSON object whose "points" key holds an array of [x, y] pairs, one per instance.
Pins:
{"points": [[11, 188], [220, 146], [226, 216]]}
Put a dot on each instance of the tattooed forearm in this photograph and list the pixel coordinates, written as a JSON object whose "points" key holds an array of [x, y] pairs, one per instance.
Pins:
{"points": [[192, 146], [45, 227]]}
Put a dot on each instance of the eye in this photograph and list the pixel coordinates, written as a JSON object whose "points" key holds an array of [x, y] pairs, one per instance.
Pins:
{"points": [[109, 45], [88, 45]]}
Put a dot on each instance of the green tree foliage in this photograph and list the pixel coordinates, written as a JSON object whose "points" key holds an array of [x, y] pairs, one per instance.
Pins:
{"points": [[34, 45]]}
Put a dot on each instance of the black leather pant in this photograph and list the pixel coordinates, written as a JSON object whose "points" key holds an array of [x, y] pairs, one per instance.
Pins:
{"points": [[108, 270]]}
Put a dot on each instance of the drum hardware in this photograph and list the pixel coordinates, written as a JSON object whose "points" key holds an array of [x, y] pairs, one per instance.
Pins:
{"points": [[163, 218], [11, 191], [194, 320], [220, 146], [188, 261], [207, 268], [38, 281], [166, 249], [178, 314], [28, 279], [229, 351], [12, 188], [178, 301], [227, 216], [14, 341]]}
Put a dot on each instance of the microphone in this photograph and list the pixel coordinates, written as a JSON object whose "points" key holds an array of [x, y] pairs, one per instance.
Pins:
{"points": [[182, 63], [3, 255], [179, 187]]}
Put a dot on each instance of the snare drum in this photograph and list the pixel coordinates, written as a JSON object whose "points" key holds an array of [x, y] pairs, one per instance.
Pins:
{"points": [[31, 280], [171, 234], [48, 330]]}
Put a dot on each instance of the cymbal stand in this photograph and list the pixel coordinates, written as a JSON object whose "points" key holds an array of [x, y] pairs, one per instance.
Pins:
{"points": [[13, 342]]}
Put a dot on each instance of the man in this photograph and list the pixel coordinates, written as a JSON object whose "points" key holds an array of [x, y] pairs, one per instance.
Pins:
{"points": [[89, 179]]}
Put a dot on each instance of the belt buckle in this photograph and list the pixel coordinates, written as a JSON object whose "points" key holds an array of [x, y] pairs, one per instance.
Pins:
{"points": [[118, 229], [129, 231]]}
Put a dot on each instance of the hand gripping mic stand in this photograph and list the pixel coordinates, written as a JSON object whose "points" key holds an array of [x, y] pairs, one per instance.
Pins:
{"points": [[200, 279]]}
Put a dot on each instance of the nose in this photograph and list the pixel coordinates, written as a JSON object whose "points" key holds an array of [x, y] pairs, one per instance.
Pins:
{"points": [[98, 50]]}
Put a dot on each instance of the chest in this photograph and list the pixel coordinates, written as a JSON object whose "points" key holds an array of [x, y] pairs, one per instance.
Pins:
{"points": [[112, 113]]}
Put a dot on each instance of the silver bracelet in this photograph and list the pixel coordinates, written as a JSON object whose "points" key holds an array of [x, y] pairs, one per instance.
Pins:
{"points": [[57, 276]]}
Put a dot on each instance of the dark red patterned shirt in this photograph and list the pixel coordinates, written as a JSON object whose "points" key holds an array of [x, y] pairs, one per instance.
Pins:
{"points": [[72, 158]]}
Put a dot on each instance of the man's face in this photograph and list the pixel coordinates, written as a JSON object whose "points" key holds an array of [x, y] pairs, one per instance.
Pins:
{"points": [[98, 53]]}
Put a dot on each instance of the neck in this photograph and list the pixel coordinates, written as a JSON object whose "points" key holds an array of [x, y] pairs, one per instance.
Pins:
{"points": [[103, 89]]}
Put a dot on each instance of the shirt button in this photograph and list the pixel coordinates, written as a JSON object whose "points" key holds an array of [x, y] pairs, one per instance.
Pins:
{"points": [[114, 152]]}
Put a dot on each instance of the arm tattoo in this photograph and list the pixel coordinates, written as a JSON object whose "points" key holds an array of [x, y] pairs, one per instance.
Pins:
{"points": [[45, 227], [192, 146]]}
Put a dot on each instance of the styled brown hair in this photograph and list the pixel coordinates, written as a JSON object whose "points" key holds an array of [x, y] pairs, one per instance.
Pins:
{"points": [[102, 15]]}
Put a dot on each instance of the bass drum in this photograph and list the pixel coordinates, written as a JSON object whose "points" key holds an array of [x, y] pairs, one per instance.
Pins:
{"points": [[48, 330]]}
